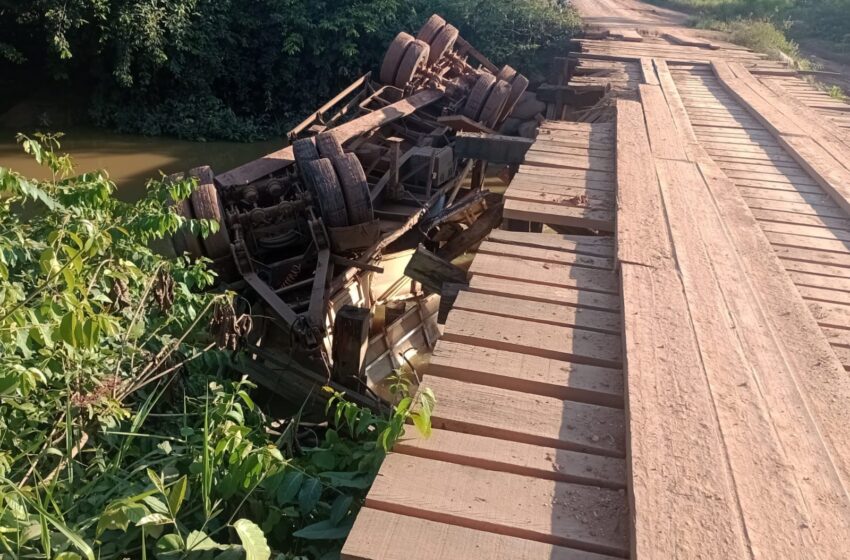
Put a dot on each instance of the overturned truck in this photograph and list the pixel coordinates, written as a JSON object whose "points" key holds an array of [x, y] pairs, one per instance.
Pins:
{"points": [[317, 237]]}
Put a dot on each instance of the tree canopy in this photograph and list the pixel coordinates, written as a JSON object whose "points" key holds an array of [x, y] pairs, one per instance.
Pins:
{"points": [[233, 69]]}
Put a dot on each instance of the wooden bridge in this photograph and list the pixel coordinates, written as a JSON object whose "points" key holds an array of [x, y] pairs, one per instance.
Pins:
{"points": [[675, 386]]}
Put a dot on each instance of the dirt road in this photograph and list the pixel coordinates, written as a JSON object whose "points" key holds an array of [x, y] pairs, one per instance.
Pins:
{"points": [[632, 13]]}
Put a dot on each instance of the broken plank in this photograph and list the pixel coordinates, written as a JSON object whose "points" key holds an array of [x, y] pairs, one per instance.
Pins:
{"points": [[597, 246], [557, 214]]}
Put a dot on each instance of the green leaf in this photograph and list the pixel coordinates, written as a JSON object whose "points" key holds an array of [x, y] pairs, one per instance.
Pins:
{"points": [[324, 530], [339, 508], [348, 479], [324, 460], [253, 540], [67, 556], [177, 494], [67, 328], [198, 540], [289, 488], [168, 545], [309, 495]]}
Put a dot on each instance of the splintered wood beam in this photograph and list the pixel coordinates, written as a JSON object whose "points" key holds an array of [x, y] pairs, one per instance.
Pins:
{"points": [[431, 271], [274, 161]]}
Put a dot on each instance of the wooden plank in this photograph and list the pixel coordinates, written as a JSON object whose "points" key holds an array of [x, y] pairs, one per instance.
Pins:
{"points": [[590, 175], [563, 196], [626, 34], [763, 111], [527, 418], [820, 164], [567, 161], [797, 375], [717, 291], [670, 410], [548, 341], [275, 161], [681, 38], [674, 102], [546, 255], [571, 216], [527, 374], [819, 232], [380, 535], [548, 184], [514, 457], [641, 234], [647, 72], [546, 313], [663, 137], [512, 268], [545, 294], [819, 281], [555, 146], [558, 513], [807, 242], [596, 246]]}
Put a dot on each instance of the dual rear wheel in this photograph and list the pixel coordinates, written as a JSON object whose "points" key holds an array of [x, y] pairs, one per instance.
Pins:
{"points": [[335, 179]]}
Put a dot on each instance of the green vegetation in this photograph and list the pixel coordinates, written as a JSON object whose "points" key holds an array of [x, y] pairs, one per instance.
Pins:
{"points": [[122, 430], [228, 69], [764, 24]]}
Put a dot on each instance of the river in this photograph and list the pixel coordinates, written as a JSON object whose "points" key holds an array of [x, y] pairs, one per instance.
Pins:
{"points": [[131, 160]]}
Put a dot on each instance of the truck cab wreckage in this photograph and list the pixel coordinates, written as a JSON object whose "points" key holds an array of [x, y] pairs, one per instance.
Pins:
{"points": [[340, 243]]}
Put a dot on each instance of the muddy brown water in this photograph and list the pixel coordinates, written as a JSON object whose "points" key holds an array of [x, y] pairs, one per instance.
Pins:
{"points": [[132, 160]]}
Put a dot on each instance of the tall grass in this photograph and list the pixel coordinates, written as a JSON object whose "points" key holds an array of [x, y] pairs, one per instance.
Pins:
{"points": [[796, 20]]}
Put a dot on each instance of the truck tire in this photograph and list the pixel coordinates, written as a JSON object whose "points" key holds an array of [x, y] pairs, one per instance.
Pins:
{"points": [[324, 186], [428, 32], [415, 57], [304, 150], [207, 206], [443, 42], [392, 59], [328, 146], [355, 189], [492, 110], [507, 73], [518, 87], [478, 95]]}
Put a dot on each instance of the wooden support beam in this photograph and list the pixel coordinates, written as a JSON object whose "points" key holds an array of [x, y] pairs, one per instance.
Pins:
{"points": [[350, 340]]}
